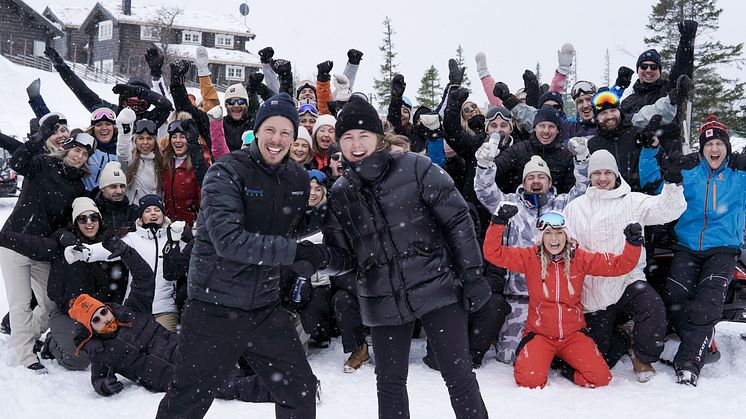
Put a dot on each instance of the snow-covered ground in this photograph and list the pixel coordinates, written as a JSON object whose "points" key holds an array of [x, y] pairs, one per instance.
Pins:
{"points": [[65, 394]]}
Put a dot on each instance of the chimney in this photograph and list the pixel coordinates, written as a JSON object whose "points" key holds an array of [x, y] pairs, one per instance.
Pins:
{"points": [[127, 7]]}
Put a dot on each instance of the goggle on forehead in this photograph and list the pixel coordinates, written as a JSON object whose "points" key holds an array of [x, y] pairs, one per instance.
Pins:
{"points": [[550, 219], [605, 100]]}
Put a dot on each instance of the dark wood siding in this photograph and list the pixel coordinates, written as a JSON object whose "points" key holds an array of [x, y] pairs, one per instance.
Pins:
{"points": [[19, 30]]}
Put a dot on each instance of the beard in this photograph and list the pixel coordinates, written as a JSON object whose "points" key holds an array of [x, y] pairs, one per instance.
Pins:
{"points": [[609, 125]]}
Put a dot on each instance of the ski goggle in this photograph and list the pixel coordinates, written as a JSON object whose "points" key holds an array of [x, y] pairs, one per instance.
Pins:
{"points": [[81, 140], [550, 219], [103, 115], [316, 174], [498, 112], [235, 101], [583, 88], [605, 100], [308, 109], [90, 218], [136, 104], [175, 127], [145, 125]]}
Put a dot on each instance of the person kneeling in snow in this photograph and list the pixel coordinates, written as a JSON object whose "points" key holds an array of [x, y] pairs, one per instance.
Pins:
{"points": [[555, 270]]}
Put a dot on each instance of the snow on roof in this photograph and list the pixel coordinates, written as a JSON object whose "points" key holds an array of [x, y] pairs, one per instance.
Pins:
{"points": [[71, 17], [216, 55], [187, 19]]}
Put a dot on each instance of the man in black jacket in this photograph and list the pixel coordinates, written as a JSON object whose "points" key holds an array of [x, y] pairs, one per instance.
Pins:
{"points": [[252, 203], [111, 200]]}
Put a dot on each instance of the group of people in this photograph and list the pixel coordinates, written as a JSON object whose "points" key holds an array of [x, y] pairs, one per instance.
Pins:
{"points": [[201, 250]]}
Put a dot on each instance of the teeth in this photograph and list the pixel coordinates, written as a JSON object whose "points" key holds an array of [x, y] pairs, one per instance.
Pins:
{"points": [[358, 153], [274, 149]]}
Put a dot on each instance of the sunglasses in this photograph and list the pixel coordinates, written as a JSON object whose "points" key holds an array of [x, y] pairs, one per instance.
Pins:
{"points": [[136, 104], [652, 66], [145, 125], [550, 219], [103, 114], [336, 157], [469, 108], [175, 127], [308, 109], [97, 318], [90, 218], [583, 88], [235, 101]]}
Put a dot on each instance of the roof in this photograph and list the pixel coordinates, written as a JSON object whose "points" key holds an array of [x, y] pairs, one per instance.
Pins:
{"points": [[34, 14], [216, 55], [144, 14], [69, 17]]}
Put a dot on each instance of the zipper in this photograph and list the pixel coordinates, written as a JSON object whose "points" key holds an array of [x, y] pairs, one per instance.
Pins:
{"points": [[707, 202], [559, 307]]}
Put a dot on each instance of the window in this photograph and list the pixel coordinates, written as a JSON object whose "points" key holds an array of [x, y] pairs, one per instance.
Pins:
{"points": [[234, 72], [191, 37], [224, 41], [105, 28], [106, 66], [39, 47], [149, 33]]}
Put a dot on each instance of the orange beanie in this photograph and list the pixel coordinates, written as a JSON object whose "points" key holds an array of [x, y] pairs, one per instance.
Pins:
{"points": [[82, 310]]}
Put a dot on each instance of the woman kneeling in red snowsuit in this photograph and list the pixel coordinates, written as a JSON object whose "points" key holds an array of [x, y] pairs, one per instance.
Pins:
{"points": [[555, 316]]}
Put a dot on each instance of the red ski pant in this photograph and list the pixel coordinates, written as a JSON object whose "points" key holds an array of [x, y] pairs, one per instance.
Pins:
{"points": [[534, 358]]}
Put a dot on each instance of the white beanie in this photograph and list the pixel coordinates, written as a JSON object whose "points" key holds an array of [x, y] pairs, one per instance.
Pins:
{"points": [[236, 91], [112, 175], [536, 164], [602, 160], [83, 204], [321, 121], [304, 135]]}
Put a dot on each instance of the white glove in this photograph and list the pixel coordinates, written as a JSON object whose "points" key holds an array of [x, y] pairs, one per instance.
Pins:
{"points": [[201, 62], [430, 121], [215, 114], [125, 119], [77, 253], [578, 146], [482, 69], [342, 90], [564, 59], [488, 151], [176, 229]]}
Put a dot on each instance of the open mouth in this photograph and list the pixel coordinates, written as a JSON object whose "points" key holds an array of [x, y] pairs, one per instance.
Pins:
{"points": [[359, 153], [715, 157], [536, 188], [273, 150], [553, 246]]}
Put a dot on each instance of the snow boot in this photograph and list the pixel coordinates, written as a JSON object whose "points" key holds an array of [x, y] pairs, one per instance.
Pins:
{"points": [[643, 370], [318, 391], [38, 368], [5, 325], [357, 358], [686, 377]]}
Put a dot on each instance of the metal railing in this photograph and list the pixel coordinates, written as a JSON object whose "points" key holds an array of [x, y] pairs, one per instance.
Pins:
{"points": [[96, 74]]}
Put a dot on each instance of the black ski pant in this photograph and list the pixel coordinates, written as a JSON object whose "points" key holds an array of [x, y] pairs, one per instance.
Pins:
{"points": [[317, 316], [212, 339], [695, 295], [643, 305], [446, 329], [347, 311]]}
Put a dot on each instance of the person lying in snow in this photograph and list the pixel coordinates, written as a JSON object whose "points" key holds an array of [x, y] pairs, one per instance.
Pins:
{"points": [[555, 270]]}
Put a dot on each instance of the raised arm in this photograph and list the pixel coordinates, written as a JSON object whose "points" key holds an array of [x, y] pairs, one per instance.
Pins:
{"points": [[85, 95]]}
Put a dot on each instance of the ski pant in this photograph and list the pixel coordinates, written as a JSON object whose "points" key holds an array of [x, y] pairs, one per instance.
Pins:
{"points": [[535, 354], [511, 333], [347, 311], [247, 388], [62, 333], [317, 316], [23, 278], [446, 329], [695, 294], [644, 306], [212, 339]]}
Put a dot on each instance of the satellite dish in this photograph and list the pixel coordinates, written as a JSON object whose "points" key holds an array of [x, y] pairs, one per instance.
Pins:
{"points": [[244, 9]]}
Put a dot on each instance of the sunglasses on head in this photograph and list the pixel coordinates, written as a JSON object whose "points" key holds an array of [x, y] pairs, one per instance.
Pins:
{"points": [[469, 108], [652, 66], [550, 219], [336, 157], [583, 88], [308, 109], [90, 218], [103, 114], [145, 125], [235, 101], [97, 318]]}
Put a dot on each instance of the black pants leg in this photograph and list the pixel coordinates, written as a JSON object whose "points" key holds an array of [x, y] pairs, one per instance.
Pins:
{"points": [[696, 295], [601, 327], [247, 388], [484, 325], [317, 316], [212, 339], [641, 303], [347, 311]]}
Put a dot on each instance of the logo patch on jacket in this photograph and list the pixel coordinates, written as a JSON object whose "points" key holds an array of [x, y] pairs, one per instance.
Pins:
{"points": [[254, 193], [296, 193]]}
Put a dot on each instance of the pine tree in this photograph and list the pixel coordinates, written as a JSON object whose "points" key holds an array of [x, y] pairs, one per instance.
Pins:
{"points": [[430, 90], [461, 64], [607, 70], [382, 86], [538, 72], [713, 94]]}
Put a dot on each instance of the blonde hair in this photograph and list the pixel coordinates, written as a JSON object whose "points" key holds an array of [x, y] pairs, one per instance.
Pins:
{"points": [[397, 140], [465, 122], [546, 258]]}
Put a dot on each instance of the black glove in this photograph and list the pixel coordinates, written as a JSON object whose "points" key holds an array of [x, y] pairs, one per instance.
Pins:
{"points": [[397, 86], [633, 234], [645, 136], [737, 161], [624, 77], [126, 90], [54, 57], [116, 246], [529, 77], [315, 254], [154, 58], [47, 129], [688, 29], [190, 131], [675, 163], [686, 161], [33, 89], [354, 56], [505, 213], [107, 386], [263, 91], [457, 97], [455, 74], [281, 67], [324, 69], [680, 94], [266, 54], [296, 291], [255, 80], [476, 293], [179, 69], [501, 91]]}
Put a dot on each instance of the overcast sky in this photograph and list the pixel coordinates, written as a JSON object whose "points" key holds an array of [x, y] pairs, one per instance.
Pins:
{"points": [[513, 34]]}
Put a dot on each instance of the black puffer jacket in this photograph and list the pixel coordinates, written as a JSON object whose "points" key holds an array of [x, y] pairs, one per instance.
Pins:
{"points": [[49, 188], [245, 229], [116, 215], [510, 163], [408, 232]]}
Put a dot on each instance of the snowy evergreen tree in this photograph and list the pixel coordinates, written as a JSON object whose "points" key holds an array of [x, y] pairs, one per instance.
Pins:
{"points": [[713, 94], [430, 90], [462, 64], [538, 72], [382, 86]]}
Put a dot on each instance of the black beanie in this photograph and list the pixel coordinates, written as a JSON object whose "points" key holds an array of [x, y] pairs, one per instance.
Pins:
{"points": [[713, 129], [547, 114], [151, 200], [555, 96], [280, 104], [358, 114], [649, 55]]}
